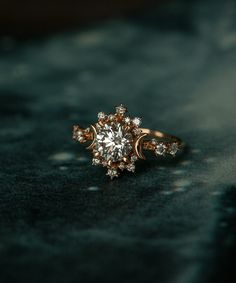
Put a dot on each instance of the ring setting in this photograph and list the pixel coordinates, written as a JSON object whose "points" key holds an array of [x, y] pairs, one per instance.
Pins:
{"points": [[117, 141]]}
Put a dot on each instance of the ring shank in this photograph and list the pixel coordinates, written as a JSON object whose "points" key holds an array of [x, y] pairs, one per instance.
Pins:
{"points": [[161, 135]]}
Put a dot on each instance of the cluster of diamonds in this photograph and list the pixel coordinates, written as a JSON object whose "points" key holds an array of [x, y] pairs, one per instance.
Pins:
{"points": [[163, 148], [115, 136], [80, 134]]}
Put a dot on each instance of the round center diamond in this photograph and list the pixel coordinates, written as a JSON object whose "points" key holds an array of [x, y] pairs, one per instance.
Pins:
{"points": [[113, 143]]}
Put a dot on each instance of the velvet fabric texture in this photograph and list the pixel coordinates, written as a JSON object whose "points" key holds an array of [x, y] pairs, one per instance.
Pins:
{"points": [[62, 220]]}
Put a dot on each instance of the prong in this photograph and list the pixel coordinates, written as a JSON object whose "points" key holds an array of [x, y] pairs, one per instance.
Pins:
{"points": [[109, 163], [127, 128], [96, 154], [126, 160]]}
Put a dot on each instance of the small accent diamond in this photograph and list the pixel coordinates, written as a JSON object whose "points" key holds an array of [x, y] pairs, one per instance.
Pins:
{"points": [[104, 163], [122, 166], [77, 133], [131, 167], [101, 115], [134, 158], [96, 161], [111, 117], [127, 120], [137, 131], [173, 149], [121, 109], [160, 149], [112, 173], [137, 121], [154, 141]]}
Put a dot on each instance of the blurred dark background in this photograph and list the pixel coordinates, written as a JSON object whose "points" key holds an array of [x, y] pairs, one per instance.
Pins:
{"points": [[28, 18], [172, 63]]}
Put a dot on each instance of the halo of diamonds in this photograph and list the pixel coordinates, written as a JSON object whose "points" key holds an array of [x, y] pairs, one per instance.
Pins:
{"points": [[114, 137]]}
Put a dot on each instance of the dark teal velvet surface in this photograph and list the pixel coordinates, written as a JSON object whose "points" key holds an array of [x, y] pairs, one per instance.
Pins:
{"points": [[61, 219]]}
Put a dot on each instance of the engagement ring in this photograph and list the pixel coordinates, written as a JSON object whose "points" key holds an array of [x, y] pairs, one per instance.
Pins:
{"points": [[117, 141]]}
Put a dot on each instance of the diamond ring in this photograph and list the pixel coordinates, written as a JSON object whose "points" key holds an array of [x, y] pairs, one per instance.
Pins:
{"points": [[117, 141]]}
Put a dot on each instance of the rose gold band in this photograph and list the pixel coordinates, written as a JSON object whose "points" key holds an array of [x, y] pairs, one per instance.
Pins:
{"points": [[156, 137], [161, 135]]}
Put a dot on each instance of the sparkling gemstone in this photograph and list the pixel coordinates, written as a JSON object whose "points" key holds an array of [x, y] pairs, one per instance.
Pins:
{"points": [[137, 131], [173, 148], [121, 109], [122, 166], [111, 117], [127, 120], [134, 158], [112, 173], [130, 167], [137, 121], [96, 161], [101, 115], [160, 149], [154, 141], [104, 163], [113, 143], [79, 134]]}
